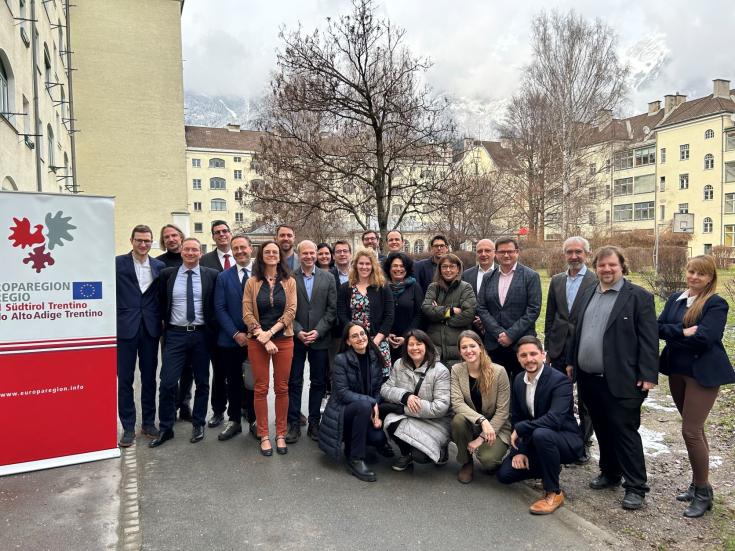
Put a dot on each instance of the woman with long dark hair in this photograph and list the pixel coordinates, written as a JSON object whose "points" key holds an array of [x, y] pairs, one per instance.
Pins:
{"points": [[269, 308], [324, 257], [692, 324], [407, 299]]}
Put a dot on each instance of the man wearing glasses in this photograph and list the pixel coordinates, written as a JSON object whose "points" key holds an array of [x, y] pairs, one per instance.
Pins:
{"points": [[138, 331], [424, 270], [508, 303]]}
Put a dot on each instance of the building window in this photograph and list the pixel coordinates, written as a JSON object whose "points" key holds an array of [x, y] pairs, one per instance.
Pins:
{"points": [[623, 213], [216, 163], [683, 208], [239, 217], [709, 134], [593, 193], [709, 161], [662, 155], [661, 212], [196, 163], [707, 225], [708, 248], [217, 183], [623, 186], [645, 183], [662, 184], [623, 160], [592, 218], [645, 156], [196, 183], [46, 66], [256, 185], [607, 217], [684, 152], [237, 159], [729, 235], [5, 92], [50, 137], [709, 193], [730, 171], [644, 211], [730, 141], [197, 206], [219, 205], [418, 246], [730, 203], [683, 181], [238, 175], [238, 195], [396, 209], [198, 227]]}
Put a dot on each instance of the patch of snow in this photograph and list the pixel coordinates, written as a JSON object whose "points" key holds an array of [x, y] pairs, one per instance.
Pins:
{"points": [[653, 444]]}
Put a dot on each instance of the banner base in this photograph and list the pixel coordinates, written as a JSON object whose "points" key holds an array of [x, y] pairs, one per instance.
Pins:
{"points": [[58, 461]]}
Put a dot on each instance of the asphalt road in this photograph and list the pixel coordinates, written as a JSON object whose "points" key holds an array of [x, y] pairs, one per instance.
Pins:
{"points": [[224, 495]]}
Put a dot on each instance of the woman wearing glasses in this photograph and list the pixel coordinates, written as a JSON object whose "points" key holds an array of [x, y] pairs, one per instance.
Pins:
{"points": [[449, 308]]}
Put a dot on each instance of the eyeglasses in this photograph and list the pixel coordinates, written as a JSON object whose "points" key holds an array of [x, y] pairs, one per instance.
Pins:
{"points": [[448, 267], [142, 241], [506, 253], [439, 246]]}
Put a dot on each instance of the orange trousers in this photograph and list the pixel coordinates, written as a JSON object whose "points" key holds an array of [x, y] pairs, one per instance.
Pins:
{"points": [[260, 362]]}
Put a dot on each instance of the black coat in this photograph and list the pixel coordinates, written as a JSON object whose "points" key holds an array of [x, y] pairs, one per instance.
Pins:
{"points": [[381, 308], [424, 271], [347, 388], [167, 279], [211, 260], [703, 351], [407, 310]]}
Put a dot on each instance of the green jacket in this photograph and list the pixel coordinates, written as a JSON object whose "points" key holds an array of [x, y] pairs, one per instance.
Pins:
{"points": [[443, 326]]}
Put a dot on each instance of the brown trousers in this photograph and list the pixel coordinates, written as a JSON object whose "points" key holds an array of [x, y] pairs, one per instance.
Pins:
{"points": [[260, 361]]}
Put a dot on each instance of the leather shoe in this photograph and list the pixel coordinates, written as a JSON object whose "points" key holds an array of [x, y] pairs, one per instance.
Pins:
{"points": [[633, 501], [302, 419], [281, 450], [164, 436], [151, 431], [466, 472], [602, 481], [312, 432], [231, 429], [197, 434], [215, 420], [185, 413], [127, 439], [293, 434], [254, 430], [547, 504], [359, 469]]}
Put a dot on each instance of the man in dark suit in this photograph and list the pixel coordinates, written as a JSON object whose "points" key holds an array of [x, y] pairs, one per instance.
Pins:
{"points": [[509, 303], [219, 259], [485, 256], [187, 305], [285, 237], [232, 338], [425, 269], [615, 361], [316, 311], [138, 331], [562, 311], [394, 241], [545, 433]]}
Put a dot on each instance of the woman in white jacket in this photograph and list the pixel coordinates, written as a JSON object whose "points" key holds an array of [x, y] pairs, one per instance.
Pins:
{"points": [[416, 403]]}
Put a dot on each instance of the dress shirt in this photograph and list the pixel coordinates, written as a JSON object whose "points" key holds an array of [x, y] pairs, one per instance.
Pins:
{"points": [[143, 273], [573, 284], [480, 275], [343, 277], [178, 298], [589, 355], [308, 282], [531, 390], [241, 270], [221, 257], [685, 296], [504, 281], [292, 262]]}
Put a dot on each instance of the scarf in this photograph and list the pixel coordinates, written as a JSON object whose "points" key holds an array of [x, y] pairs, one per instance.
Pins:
{"points": [[401, 286]]}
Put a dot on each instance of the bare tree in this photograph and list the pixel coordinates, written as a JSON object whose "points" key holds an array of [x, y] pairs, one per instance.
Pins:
{"points": [[351, 127]]}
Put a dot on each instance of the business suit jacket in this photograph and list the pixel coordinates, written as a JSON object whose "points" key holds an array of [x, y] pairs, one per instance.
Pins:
{"points": [[228, 307], [553, 406], [423, 271], [167, 278], [132, 305], [517, 317], [703, 351], [211, 260], [381, 308], [630, 342], [318, 313], [470, 276], [560, 322]]}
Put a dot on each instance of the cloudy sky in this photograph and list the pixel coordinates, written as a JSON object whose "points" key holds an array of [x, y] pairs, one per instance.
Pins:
{"points": [[478, 47]]}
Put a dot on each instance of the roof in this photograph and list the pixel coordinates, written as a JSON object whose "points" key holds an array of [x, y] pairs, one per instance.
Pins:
{"points": [[698, 108], [501, 156], [632, 129], [222, 138]]}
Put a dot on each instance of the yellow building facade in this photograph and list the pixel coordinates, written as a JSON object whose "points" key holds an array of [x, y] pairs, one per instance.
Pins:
{"points": [[129, 106]]}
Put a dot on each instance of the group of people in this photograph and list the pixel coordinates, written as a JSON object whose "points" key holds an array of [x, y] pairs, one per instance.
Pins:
{"points": [[418, 354]]}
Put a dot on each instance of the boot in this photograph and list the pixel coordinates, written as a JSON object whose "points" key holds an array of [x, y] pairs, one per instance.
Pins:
{"points": [[702, 502], [687, 495]]}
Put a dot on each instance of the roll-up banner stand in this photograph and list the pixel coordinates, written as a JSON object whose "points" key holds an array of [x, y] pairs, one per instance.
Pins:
{"points": [[58, 387]]}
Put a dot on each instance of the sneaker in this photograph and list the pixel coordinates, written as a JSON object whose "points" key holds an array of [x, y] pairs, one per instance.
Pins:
{"points": [[402, 463], [293, 434], [127, 439]]}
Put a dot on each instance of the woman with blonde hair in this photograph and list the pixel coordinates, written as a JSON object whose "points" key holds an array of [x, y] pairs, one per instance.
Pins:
{"points": [[692, 324], [366, 299], [480, 394]]}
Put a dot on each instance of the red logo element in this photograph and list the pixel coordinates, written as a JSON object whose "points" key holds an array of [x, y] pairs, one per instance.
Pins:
{"points": [[39, 259], [22, 236]]}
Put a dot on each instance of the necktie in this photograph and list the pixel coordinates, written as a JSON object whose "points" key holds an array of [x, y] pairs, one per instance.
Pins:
{"points": [[189, 296], [244, 277], [227, 262]]}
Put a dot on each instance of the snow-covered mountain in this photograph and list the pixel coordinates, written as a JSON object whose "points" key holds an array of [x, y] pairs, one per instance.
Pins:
{"points": [[646, 59], [217, 111]]}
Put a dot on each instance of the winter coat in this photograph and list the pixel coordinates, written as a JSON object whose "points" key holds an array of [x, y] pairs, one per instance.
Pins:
{"points": [[429, 430], [444, 330], [347, 388]]}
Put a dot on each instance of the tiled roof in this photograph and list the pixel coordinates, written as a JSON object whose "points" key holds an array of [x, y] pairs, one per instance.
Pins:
{"points": [[697, 108], [631, 129], [222, 138], [501, 156]]}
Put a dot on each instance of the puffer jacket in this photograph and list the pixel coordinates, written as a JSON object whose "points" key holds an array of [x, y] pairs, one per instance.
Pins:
{"points": [[429, 430], [444, 330], [347, 388]]}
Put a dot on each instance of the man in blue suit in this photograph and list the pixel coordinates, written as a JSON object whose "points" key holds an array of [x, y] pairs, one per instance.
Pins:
{"points": [[138, 331], [232, 338], [545, 434]]}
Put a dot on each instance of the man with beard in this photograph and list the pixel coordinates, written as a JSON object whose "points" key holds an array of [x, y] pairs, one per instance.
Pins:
{"points": [[286, 237], [170, 240]]}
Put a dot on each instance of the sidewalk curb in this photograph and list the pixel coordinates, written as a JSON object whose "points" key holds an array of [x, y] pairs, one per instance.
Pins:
{"points": [[129, 534]]}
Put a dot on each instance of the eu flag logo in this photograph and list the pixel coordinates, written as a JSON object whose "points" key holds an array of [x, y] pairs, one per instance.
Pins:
{"points": [[84, 290]]}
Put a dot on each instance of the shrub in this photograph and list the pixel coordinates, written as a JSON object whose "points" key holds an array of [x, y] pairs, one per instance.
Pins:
{"points": [[723, 255], [554, 261], [639, 258], [670, 278], [533, 258]]}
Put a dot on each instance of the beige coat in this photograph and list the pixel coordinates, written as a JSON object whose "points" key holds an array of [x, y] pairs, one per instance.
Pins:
{"points": [[250, 305], [495, 405]]}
